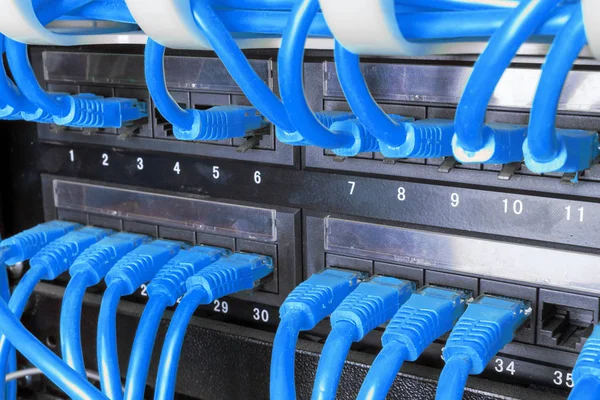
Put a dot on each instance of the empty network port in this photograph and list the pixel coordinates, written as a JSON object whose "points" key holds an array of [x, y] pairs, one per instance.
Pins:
{"points": [[566, 320]]}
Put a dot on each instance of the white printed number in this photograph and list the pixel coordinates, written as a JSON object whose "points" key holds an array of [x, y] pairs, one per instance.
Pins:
{"points": [[140, 163], [515, 206], [501, 367], [454, 200], [72, 155], [144, 291], [352, 186], [261, 315], [177, 168], [401, 194], [216, 172], [221, 306], [561, 379], [576, 215], [105, 160], [257, 178]]}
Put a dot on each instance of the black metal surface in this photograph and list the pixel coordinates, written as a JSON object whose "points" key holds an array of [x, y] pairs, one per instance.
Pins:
{"points": [[223, 361]]}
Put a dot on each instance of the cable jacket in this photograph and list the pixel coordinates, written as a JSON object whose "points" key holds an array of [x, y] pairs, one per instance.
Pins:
{"points": [[332, 361], [381, 376], [171, 351], [70, 321], [17, 304], [587, 388], [453, 379], [490, 67], [255, 89], [283, 357], [157, 86], [291, 62], [361, 101], [39, 355], [4, 284], [141, 353], [107, 352], [541, 136]]}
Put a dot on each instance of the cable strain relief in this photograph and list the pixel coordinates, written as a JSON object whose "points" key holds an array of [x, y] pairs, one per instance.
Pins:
{"points": [[364, 142], [91, 111], [221, 122]]}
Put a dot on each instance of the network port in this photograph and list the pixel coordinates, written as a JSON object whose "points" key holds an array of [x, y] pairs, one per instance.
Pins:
{"points": [[566, 320]]}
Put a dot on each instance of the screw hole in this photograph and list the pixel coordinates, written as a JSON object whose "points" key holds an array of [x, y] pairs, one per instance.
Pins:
{"points": [[51, 342]]}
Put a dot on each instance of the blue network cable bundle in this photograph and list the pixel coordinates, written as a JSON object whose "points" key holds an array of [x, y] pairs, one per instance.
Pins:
{"points": [[277, 199]]}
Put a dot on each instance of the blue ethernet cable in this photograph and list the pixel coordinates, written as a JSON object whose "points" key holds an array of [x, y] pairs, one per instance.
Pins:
{"points": [[546, 148], [373, 303], [484, 329], [50, 262], [13, 103], [216, 123], [75, 386], [257, 92], [123, 279], [307, 305], [163, 291], [4, 280], [397, 138], [427, 315], [474, 141], [86, 271], [228, 275], [25, 245], [310, 130], [586, 374], [84, 110]]}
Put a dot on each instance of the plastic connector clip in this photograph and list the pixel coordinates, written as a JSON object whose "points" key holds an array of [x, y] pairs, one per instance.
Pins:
{"points": [[222, 122], [373, 303], [57, 256], [308, 304], [26, 244], [503, 144], [586, 374], [427, 315], [327, 118], [91, 111], [228, 275], [485, 328]]}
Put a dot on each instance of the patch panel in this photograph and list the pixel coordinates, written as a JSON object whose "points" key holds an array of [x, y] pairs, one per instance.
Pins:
{"points": [[243, 228], [196, 82], [420, 256]]}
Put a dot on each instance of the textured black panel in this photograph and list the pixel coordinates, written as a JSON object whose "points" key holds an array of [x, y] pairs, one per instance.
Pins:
{"points": [[227, 362]]}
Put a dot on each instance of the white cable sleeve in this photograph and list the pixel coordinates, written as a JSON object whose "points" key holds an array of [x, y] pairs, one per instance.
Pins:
{"points": [[591, 20], [369, 27]]}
